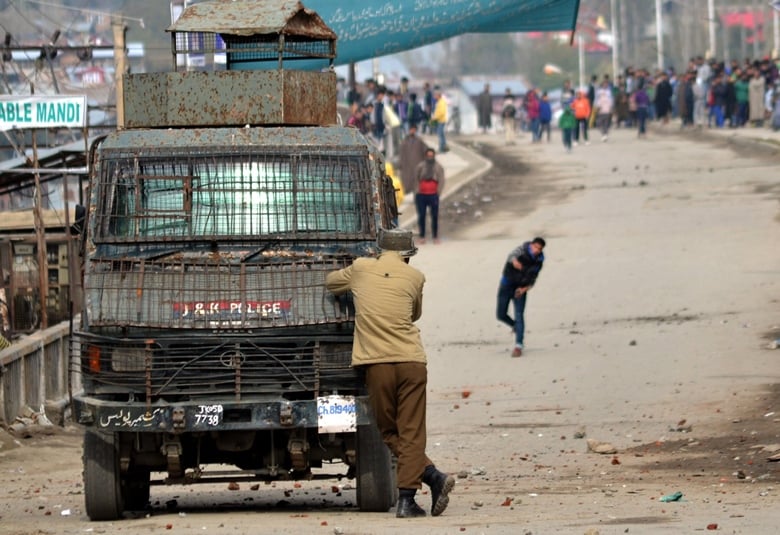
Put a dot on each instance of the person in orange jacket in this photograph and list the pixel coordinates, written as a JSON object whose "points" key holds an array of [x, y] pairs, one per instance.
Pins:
{"points": [[581, 108]]}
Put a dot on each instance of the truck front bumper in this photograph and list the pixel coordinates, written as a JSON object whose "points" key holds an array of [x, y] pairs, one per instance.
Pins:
{"points": [[328, 414]]}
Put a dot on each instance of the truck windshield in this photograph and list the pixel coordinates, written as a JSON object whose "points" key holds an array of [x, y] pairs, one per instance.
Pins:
{"points": [[233, 196]]}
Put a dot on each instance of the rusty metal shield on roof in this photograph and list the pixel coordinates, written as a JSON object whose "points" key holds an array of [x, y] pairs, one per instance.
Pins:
{"points": [[253, 17]]}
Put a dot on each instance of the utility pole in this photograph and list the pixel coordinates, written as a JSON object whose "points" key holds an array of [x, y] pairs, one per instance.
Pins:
{"points": [[756, 50], [711, 53], [40, 237], [659, 34], [624, 35], [6, 56], [742, 40], [726, 44], [49, 52], [776, 30], [615, 39], [581, 57], [120, 68], [686, 31]]}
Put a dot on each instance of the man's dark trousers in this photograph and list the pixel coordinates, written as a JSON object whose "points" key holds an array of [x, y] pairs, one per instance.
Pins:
{"points": [[425, 201], [506, 294], [398, 397]]}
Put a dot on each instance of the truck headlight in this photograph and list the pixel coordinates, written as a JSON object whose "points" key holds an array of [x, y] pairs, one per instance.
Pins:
{"points": [[128, 359]]}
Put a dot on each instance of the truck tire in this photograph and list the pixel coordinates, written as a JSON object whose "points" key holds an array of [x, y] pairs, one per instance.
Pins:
{"points": [[376, 490], [102, 483]]}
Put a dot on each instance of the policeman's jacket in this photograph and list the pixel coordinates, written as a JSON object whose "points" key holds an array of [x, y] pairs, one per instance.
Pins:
{"points": [[387, 293]]}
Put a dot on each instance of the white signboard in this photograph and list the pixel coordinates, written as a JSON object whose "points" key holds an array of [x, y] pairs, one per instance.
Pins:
{"points": [[50, 111]]}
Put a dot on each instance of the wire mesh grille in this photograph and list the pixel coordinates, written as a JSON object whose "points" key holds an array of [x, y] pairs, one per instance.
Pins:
{"points": [[217, 291], [165, 196], [238, 49], [214, 367]]}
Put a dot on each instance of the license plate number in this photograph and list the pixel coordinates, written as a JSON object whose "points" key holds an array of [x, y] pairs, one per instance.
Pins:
{"points": [[336, 414]]}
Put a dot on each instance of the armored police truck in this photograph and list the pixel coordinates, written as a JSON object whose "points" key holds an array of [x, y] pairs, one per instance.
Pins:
{"points": [[207, 338]]}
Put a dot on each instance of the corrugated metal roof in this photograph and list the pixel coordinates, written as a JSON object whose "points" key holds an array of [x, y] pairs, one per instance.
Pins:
{"points": [[14, 175], [257, 17]]}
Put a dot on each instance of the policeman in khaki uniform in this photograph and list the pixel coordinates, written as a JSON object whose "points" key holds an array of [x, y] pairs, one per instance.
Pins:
{"points": [[387, 293]]}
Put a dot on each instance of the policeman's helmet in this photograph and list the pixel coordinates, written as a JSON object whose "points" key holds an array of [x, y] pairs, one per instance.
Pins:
{"points": [[397, 239]]}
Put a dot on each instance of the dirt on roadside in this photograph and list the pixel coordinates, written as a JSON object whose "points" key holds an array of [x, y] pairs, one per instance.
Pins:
{"points": [[495, 191], [740, 448]]}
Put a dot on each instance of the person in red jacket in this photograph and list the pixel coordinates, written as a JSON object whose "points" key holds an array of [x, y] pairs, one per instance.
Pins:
{"points": [[429, 176], [581, 108]]}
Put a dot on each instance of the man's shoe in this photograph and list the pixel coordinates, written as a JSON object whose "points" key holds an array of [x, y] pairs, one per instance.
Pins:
{"points": [[517, 352], [441, 486], [408, 508]]}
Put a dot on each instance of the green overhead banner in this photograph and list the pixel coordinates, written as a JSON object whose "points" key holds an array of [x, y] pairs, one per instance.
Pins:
{"points": [[45, 111]]}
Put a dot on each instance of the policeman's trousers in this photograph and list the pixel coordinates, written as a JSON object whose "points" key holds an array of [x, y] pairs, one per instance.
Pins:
{"points": [[397, 393]]}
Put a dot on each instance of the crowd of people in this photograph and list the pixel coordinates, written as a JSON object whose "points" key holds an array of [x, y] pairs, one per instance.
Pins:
{"points": [[385, 115], [708, 93]]}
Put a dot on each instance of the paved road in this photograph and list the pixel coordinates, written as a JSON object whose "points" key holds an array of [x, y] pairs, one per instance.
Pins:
{"points": [[656, 305]]}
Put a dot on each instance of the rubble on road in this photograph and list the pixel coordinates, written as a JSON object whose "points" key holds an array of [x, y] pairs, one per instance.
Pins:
{"points": [[7, 441], [603, 448], [31, 423], [681, 427]]}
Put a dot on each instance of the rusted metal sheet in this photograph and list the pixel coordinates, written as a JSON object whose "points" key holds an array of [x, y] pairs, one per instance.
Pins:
{"points": [[255, 17], [192, 141], [230, 98]]}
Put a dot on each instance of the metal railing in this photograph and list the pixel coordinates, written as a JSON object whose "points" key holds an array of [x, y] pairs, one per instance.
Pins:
{"points": [[34, 371]]}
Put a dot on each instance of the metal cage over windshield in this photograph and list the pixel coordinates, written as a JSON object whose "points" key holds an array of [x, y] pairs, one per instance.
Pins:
{"points": [[160, 196]]}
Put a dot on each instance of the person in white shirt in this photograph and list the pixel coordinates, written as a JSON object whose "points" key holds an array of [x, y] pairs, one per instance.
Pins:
{"points": [[604, 103]]}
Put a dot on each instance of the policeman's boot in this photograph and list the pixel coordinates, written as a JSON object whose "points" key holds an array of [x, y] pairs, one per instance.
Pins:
{"points": [[441, 485], [407, 507]]}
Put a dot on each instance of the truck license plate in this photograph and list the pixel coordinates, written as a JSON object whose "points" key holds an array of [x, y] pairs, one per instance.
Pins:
{"points": [[336, 414]]}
